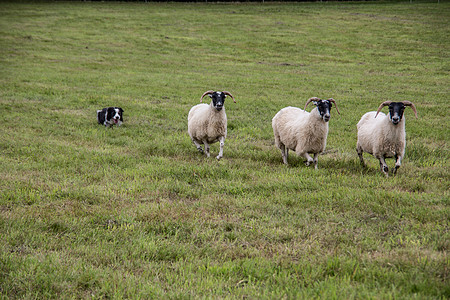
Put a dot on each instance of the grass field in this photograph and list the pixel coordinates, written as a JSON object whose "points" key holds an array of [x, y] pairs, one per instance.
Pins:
{"points": [[137, 212]]}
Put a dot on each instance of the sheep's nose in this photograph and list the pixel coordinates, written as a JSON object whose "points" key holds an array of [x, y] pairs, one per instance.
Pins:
{"points": [[326, 117], [395, 120]]}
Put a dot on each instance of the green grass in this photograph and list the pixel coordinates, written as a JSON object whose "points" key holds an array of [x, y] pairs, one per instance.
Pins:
{"points": [[137, 212]]}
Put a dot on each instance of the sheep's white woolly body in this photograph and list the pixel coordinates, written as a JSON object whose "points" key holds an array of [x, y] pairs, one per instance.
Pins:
{"points": [[379, 137], [300, 131], [208, 123], [205, 123]]}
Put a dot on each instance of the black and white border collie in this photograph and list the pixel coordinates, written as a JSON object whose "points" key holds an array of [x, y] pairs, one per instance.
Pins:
{"points": [[110, 116]]}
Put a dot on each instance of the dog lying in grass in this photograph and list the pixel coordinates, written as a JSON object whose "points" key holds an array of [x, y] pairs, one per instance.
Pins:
{"points": [[110, 116]]}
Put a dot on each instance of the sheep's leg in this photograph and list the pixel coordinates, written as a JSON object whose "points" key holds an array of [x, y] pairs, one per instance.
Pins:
{"points": [[398, 163], [199, 147], [383, 166], [360, 154], [222, 143], [316, 156], [206, 148], [284, 153]]}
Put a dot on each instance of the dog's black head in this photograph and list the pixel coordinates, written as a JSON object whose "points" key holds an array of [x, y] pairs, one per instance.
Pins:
{"points": [[114, 115]]}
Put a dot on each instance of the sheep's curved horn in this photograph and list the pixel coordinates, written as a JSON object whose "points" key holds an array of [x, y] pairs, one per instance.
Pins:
{"points": [[310, 100], [206, 93], [409, 103], [381, 106], [332, 100], [228, 94]]}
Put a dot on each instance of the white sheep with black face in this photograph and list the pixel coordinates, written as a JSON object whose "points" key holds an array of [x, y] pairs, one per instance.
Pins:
{"points": [[207, 124], [301, 131], [385, 136]]}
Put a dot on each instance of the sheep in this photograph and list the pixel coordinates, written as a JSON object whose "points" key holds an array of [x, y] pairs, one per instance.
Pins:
{"points": [[207, 124], [301, 131], [385, 136]]}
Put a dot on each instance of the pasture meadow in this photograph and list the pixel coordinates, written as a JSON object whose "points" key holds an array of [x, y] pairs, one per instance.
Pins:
{"points": [[136, 212]]}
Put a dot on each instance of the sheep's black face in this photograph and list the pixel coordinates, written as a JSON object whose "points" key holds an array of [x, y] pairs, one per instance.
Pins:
{"points": [[324, 107], [396, 110], [218, 99]]}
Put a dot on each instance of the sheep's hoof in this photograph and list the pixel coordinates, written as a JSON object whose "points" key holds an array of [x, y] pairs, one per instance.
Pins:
{"points": [[395, 170], [218, 157], [385, 170], [200, 150], [308, 163]]}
